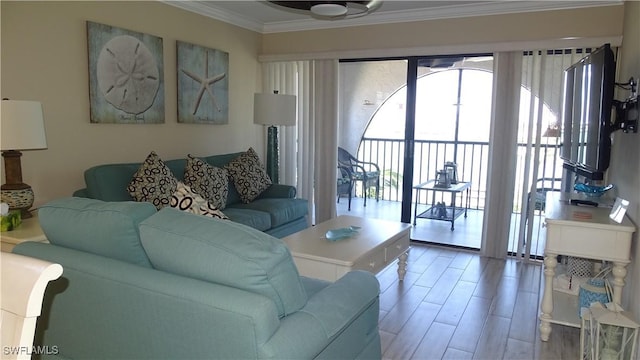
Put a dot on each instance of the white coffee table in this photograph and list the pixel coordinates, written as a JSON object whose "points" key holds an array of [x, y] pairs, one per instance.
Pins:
{"points": [[372, 248]]}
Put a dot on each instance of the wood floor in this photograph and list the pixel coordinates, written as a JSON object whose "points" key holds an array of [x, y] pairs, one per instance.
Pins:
{"points": [[455, 304]]}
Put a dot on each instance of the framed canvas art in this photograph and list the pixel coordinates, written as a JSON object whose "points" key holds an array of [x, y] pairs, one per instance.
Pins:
{"points": [[203, 85], [126, 84]]}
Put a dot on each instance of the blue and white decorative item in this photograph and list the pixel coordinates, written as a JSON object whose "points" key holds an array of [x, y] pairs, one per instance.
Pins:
{"points": [[342, 233], [592, 190], [595, 290]]}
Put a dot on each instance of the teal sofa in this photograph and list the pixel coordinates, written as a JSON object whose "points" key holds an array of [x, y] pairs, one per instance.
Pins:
{"points": [[276, 211], [140, 283]]}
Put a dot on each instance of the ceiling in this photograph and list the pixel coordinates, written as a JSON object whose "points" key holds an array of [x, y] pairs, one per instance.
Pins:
{"points": [[264, 17]]}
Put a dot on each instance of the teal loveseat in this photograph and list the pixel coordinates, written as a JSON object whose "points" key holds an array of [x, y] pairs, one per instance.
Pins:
{"points": [[276, 211], [140, 283]]}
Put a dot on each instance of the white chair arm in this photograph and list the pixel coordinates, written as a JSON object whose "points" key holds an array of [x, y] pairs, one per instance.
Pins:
{"points": [[24, 280]]}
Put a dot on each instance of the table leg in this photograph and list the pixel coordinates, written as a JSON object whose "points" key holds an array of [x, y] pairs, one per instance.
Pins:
{"points": [[546, 307], [619, 272], [453, 210], [468, 202], [415, 206], [402, 265], [433, 199]]}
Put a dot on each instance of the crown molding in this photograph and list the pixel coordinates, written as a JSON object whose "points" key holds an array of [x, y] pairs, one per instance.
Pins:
{"points": [[444, 12], [218, 14]]}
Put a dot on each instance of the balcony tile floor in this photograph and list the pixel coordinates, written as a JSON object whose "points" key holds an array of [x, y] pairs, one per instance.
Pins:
{"points": [[467, 233]]}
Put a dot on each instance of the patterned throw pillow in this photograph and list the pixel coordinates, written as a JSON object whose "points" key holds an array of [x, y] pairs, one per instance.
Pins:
{"points": [[153, 182], [208, 181], [186, 199], [248, 175]]}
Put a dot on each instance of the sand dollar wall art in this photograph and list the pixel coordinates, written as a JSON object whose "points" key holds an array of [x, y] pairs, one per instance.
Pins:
{"points": [[126, 82], [203, 84]]}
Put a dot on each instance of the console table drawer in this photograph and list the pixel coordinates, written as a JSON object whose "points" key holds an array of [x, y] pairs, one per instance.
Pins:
{"points": [[373, 262], [399, 247], [588, 242]]}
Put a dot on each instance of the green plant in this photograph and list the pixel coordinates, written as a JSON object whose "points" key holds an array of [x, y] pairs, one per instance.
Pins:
{"points": [[391, 179]]}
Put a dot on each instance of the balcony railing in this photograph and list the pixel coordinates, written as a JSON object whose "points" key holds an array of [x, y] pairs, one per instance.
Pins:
{"points": [[429, 157]]}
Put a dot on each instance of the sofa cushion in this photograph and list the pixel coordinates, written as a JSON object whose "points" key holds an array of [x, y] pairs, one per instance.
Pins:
{"points": [[281, 211], [223, 252], [153, 182], [248, 175], [103, 228], [210, 182], [185, 199], [258, 220], [220, 161]]}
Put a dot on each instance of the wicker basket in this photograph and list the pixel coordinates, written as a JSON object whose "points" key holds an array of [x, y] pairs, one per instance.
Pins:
{"points": [[579, 267]]}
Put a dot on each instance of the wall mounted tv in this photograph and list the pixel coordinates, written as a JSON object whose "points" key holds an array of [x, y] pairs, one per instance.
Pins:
{"points": [[586, 115]]}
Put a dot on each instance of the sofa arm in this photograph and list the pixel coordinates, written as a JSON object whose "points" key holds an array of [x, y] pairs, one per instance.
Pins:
{"points": [[351, 301], [83, 193], [339, 303], [279, 191]]}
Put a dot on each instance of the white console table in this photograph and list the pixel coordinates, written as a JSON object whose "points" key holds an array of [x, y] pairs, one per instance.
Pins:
{"points": [[585, 232]]}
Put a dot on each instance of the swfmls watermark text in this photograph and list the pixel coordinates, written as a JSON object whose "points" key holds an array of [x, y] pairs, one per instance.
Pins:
{"points": [[30, 350]]}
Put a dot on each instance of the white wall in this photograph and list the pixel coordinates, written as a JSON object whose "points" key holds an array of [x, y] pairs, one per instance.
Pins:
{"points": [[372, 81], [625, 159], [44, 58]]}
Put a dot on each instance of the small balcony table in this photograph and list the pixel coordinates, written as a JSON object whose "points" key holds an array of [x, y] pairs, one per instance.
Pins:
{"points": [[442, 212]]}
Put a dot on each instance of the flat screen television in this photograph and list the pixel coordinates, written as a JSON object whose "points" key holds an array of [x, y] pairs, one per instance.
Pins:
{"points": [[586, 113]]}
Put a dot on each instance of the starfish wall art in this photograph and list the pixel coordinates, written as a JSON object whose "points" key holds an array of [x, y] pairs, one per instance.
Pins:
{"points": [[203, 85]]}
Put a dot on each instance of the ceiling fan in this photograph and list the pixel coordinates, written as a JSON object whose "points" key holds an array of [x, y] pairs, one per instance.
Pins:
{"points": [[333, 9]]}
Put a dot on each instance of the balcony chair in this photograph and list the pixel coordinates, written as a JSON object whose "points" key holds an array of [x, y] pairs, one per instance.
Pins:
{"points": [[543, 185], [24, 280], [367, 173], [345, 184]]}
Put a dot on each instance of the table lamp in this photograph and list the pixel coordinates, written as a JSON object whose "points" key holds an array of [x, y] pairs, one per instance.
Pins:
{"points": [[22, 129], [274, 109]]}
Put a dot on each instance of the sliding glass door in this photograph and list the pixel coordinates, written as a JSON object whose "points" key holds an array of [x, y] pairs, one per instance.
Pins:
{"points": [[452, 117], [412, 115]]}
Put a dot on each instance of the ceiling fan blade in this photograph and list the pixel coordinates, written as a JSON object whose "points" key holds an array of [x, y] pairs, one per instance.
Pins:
{"points": [[299, 5], [354, 8]]}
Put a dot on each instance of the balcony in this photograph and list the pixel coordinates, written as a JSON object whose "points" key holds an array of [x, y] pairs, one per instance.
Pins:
{"points": [[429, 156]]}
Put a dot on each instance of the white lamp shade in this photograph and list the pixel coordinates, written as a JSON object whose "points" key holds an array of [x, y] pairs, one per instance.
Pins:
{"points": [[274, 109], [22, 125]]}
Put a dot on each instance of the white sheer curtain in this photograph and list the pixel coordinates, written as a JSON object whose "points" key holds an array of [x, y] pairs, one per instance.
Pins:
{"points": [[540, 111], [502, 154], [527, 100], [308, 151], [326, 138]]}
